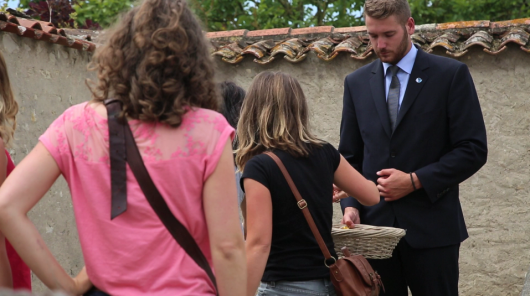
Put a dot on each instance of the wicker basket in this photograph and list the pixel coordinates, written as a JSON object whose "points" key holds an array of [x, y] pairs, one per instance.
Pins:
{"points": [[373, 242]]}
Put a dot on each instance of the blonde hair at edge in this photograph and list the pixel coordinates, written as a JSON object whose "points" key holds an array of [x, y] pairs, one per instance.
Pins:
{"points": [[274, 115], [8, 106]]}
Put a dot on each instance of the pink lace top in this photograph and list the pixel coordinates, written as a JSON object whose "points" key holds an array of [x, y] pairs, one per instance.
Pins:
{"points": [[134, 254]]}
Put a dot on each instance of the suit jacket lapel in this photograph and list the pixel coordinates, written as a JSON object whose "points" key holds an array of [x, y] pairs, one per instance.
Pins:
{"points": [[417, 80], [377, 85]]}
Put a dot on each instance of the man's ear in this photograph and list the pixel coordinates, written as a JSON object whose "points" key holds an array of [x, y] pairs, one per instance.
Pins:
{"points": [[411, 26]]}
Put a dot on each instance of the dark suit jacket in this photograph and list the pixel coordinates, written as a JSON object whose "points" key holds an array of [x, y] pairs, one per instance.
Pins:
{"points": [[440, 135]]}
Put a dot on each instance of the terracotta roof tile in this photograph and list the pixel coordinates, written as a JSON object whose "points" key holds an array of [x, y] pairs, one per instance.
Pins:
{"points": [[294, 45], [328, 42], [225, 34], [40, 30], [312, 30]]}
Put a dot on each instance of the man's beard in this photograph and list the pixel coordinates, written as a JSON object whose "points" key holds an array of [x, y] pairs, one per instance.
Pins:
{"points": [[400, 51]]}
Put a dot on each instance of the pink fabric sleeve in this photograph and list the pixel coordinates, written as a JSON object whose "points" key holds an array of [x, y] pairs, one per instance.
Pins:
{"points": [[56, 142], [226, 133]]}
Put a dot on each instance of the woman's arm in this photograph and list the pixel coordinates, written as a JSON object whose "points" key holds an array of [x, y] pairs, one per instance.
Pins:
{"points": [[259, 231], [6, 278], [348, 179], [224, 228], [24, 187]]}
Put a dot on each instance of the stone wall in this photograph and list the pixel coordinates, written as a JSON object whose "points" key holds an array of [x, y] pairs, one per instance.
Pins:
{"points": [[49, 78], [495, 259], [46, 80]]}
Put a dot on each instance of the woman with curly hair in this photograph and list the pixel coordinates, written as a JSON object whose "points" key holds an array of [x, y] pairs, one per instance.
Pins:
{"points": [[282, 252], [155, 63], [14, 273]]}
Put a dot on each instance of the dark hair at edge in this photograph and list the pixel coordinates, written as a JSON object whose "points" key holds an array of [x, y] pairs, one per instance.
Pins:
{"points": [[233, 96], [274, 115], [157, 63], [382, 9]]}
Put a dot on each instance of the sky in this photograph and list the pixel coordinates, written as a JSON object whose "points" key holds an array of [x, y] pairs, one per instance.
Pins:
{"points": [[12, 3]]}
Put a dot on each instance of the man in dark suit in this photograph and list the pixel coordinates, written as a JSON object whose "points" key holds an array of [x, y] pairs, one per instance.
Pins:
{"points": [[412, 123]]}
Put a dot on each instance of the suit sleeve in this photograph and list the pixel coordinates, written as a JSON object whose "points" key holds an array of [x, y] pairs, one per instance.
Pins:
{"points": [[467, 136], [351, 143]]}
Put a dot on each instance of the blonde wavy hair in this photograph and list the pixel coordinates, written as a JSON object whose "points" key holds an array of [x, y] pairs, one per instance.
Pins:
{"points": [[157, 63], [8, 106], [274, 115]]}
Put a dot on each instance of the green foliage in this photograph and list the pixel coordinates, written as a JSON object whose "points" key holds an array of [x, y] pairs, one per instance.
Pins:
{"points": [[441, 11], [219, 15], [103, 12], [3, 5]]}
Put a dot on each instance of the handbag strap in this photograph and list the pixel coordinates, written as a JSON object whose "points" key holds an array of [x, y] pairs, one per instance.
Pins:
{"points": [[153, 196], [302, 204]]}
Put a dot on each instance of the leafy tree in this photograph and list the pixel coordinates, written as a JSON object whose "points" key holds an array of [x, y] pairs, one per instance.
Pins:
{"points": [[91, 14], [103, 12], [57, 12], [220, 15], [441, 11]]}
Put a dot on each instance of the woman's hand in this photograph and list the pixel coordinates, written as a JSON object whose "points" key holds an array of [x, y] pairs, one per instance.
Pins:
{"points": [[82, 283]]}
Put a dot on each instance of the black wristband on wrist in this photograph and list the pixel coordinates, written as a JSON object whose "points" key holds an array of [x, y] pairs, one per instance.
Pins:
{"points": [[412, 181]]}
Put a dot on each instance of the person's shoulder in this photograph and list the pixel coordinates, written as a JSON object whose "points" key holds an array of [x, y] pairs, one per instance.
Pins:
{"points": [[203, 112], [363, 71], [259, 159], [74, 113], [257, 163], [200, 119], [205, 115], [441, 61], [77, 108], [324, 147]]}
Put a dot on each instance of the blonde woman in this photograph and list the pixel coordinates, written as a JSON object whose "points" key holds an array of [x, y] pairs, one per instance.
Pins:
{"points": [[282, 252], [13, 271], [156, 63]]}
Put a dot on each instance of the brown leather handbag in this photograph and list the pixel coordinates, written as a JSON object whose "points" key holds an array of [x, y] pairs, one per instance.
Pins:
{"points": [[351, 275], [123, 150]]}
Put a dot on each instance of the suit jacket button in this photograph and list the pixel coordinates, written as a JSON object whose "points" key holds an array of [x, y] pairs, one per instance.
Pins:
{"points": [[393, 154]]}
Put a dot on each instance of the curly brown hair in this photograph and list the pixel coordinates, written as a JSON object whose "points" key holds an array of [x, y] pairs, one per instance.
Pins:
{"points": [[157, 63]]}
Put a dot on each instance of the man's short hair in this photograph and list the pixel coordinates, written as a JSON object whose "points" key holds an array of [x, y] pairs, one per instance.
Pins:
{"points": [[382, 9]]}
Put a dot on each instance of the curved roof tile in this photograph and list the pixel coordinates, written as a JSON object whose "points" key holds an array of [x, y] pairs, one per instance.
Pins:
{"points": [[328, 42], [44, 31]]}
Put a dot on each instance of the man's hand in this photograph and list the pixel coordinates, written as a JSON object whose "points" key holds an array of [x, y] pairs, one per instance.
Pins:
{"points": [[338, 194], [351, 217], [394, 184]]}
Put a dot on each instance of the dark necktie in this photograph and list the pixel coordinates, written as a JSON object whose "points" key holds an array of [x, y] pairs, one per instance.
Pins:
{"points": [[393, 96]]}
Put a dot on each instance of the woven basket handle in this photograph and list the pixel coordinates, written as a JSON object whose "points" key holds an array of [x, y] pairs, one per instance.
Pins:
{"points": [[302, 204]]}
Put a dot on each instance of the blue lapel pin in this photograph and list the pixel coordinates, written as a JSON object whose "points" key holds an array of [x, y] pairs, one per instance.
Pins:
{"points": [[418, 80]]}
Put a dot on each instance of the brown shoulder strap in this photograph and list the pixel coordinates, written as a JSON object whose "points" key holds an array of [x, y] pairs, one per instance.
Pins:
{"points": [[153, 196], [302, 204]]}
